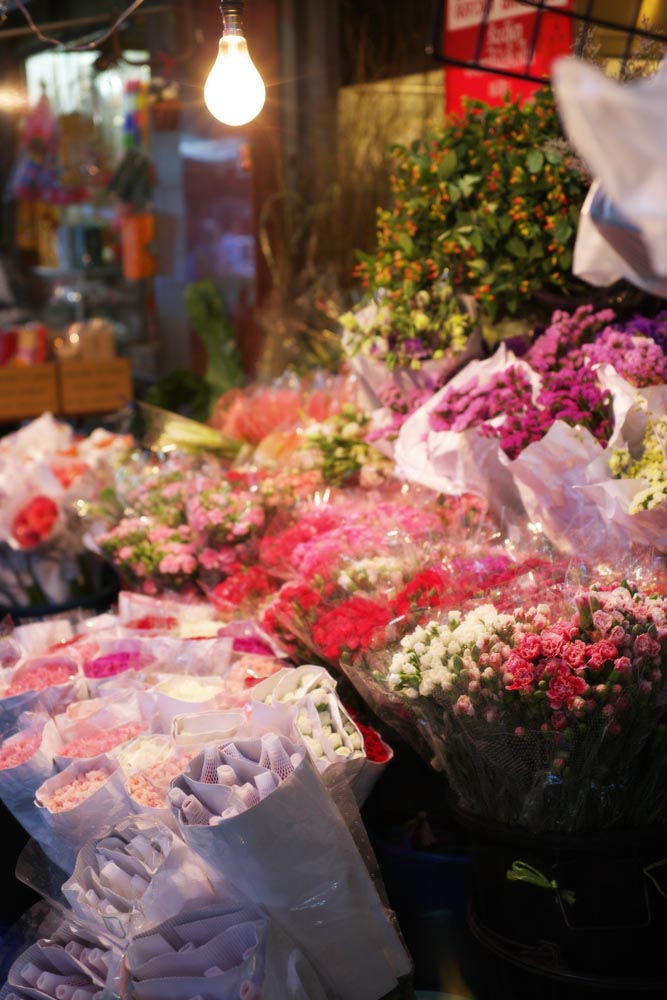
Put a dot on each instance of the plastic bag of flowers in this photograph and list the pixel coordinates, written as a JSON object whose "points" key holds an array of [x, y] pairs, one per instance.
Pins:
{"points": [[149, 764], [236, 806], [45, 557], [549, 718], [109, 658], [35, 638], [73, 963], [133, 875], [47, 682], [111, 722], [75, 803], [302, 703], [26, 761], [220, 953]]}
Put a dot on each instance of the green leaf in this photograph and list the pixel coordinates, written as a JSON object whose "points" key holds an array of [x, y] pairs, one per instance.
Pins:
{"points": [[562, 230], [477, 242], [565, 259], [505, 224], [406, 243], [447, 165], [553, 157], [535, 161], [454, 192], [517, 247]]}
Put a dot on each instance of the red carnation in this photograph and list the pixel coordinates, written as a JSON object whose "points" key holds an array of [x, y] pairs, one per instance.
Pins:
{"points": [[34, 523]]}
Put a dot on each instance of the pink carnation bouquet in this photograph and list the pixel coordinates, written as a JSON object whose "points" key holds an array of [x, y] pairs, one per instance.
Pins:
{"points": [[549, 717]]}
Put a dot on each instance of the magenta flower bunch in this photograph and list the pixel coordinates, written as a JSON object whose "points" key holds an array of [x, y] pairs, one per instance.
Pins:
{"points": [[639, 360], [550, 718], [399, 402], [637, 350], [566, 333], [508, 408]]}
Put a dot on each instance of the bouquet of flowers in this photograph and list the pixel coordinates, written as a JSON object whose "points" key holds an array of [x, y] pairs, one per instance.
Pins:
{"points": [[47, 477], [629, 486], [410, 336], [549, 718], [523, 431], [340, 448]]}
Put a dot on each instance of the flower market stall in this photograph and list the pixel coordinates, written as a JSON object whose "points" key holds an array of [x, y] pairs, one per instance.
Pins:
{"points": [[457, 545]]}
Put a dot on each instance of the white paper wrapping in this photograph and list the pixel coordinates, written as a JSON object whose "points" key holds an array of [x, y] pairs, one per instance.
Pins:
{"points": [[223, 953], [546, 474]]}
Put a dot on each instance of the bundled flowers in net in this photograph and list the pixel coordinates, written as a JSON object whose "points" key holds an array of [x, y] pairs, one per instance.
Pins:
{"points": [[548, 717]]}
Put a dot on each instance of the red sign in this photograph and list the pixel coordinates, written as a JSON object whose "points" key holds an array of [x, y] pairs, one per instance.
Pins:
{"points": [[512, 30]]}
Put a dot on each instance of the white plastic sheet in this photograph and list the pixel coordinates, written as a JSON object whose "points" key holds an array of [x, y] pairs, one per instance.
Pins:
{"points": [[621, 131]]}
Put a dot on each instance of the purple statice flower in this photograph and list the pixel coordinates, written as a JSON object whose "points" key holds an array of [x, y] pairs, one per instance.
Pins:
{"points": [[639, 360], [413, 347], [654, 328], [565, 333]]}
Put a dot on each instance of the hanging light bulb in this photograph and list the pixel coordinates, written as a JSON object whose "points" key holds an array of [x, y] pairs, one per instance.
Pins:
{"points": [[234, 92]]}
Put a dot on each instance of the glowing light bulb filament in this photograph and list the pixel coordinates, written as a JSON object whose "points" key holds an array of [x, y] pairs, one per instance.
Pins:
{"points": [[234, 91]]}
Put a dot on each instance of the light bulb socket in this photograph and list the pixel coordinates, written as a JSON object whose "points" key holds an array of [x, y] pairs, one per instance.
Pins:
{"points": [[232, 16]]}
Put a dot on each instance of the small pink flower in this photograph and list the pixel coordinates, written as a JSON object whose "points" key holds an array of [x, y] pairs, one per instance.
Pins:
{"points": [[559, 721], [623, 665], [464, 706]]}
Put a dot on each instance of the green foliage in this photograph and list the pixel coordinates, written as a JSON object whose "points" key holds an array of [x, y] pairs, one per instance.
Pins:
{"points": [[184, 392], [491, 199], [205, 310]]}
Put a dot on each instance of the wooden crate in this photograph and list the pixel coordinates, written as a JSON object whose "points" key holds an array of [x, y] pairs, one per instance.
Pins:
{"points": [[93, 386], [27, 392]]}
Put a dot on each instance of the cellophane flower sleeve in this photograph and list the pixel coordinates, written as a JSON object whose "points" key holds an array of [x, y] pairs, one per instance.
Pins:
{"points": [[243, 825], [225, 952], [134, 875], [73, 963], [26, 761], [549, 717], [75, 803]]}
